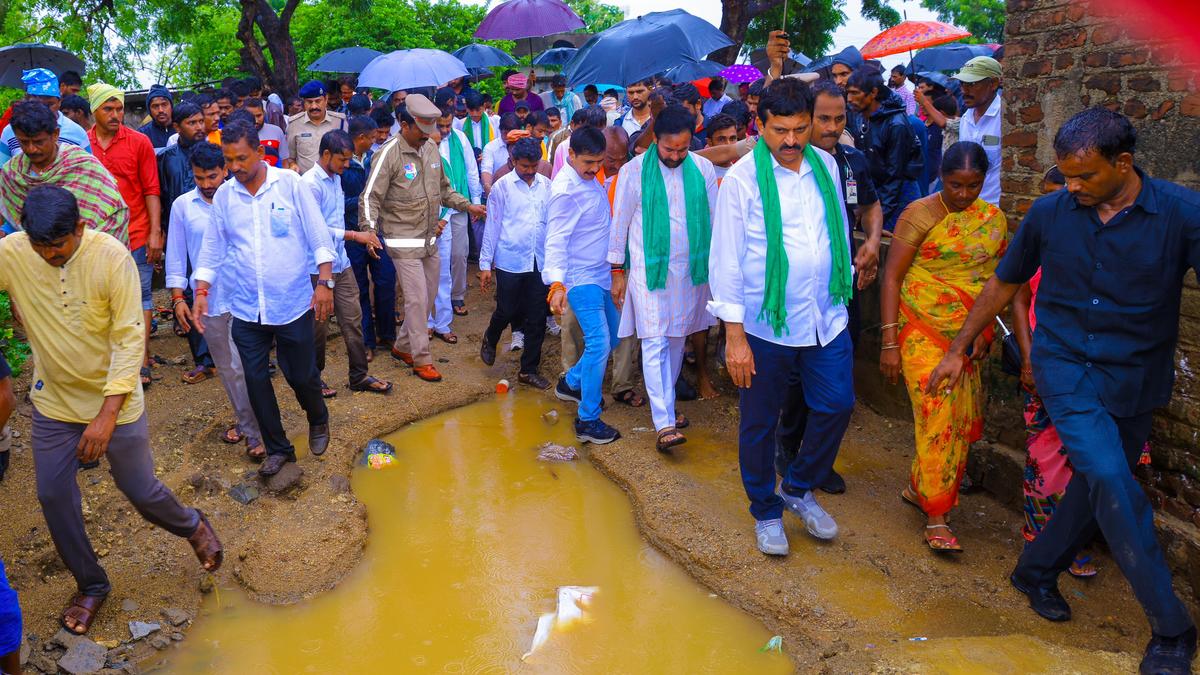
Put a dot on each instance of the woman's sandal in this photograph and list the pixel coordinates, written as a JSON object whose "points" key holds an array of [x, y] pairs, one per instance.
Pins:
{"points": [[233, 435], [82, 610], [448, 337], [911, 499], [669, 438], [1082, 568], [373, 385], [630, 398], [942, 544]]}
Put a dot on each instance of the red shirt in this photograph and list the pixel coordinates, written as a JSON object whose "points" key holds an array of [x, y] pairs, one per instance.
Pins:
{"points": [[130, 159]]}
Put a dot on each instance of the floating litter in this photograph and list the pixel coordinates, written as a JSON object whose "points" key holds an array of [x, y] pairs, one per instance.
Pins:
{"points": [[553, 452], [379, 454], [573, 602], [918, 639], [550, 417], [502, 387], [775, 644]]}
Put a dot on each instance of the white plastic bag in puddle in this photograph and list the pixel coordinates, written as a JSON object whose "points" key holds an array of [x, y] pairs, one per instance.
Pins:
{"points": [[573, 603]]}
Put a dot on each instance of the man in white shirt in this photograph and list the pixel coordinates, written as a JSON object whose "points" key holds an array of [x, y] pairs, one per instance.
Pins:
{"points": [[477, 125], [661, 229], [458, 160], [717, 98], [578, 226], [780, 276], [981, 123], [191, 215], [495, 154], [514, 242], [324, 181], [638, 114], [266, 228]]}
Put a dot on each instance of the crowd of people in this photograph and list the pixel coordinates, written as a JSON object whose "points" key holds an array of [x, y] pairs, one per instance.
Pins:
{"points": [[665, 224]]}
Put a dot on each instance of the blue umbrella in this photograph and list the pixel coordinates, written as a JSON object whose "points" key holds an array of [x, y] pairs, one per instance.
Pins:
{"points": [[946, 57], [483, 56], [411, 68], [559, 56], [694, 70], [638, 48], [15, 59], [347, 60]]}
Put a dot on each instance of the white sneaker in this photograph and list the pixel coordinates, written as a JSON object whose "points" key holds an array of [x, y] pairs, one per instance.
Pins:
{"points": [[552, 326], [816, 520], [518, 341], [771, 538]]}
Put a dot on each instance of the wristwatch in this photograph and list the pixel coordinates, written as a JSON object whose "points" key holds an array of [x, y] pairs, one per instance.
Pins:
{"points": [[327, 283]]}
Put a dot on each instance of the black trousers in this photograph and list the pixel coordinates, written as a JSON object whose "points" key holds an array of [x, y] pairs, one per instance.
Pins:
{"points": [[793, 416], [296, 351], [520, 296]]}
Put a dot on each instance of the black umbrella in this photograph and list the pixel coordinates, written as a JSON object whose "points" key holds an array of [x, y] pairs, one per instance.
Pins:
{"points": [[795, 62], [483, 56], [638, 48], [558, 56], [946, 57], [347, 60], [18, 58], [694, 70]]}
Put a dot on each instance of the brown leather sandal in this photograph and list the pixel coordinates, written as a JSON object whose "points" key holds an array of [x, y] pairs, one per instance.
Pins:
{"points": [[669, 438], [207, 546], [82, 610]]}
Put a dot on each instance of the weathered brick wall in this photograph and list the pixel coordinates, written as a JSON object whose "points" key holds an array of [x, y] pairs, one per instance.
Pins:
{"points": [[1060, 57]]}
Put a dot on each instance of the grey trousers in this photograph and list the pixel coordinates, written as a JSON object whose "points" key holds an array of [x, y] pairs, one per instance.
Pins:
{"points": [[217, 331], [132, 467], [348, 310], [459, 244], [624, 355]]}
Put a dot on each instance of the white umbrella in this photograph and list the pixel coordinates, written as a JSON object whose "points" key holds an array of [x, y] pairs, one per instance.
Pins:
{"points": [[410, 69]]}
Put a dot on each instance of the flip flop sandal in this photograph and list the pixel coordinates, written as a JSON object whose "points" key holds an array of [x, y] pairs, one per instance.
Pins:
{"points": [[630, 398], [179, 331], [83, 609], [327, 391], [369, 385], [236, 437], [449, 338], [460, 310], [911, 499], [682, 422], [258, 453], [669, 438], [940, 544], [147, 377], [1082, 564], [197, 375]]}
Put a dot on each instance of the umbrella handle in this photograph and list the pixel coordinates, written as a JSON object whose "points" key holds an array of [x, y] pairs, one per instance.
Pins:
{"points": [[783, 24]]}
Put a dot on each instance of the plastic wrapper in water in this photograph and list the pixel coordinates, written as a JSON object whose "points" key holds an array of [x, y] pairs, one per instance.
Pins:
{"points": [[573, 605], [553, 452], [379, 454]]}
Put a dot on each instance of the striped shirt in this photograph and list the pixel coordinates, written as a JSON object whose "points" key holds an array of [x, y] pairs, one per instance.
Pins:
{"points": [[100, 203]]}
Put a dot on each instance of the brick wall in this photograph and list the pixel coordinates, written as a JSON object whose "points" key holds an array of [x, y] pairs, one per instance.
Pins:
{"points": [[1062, 56]]}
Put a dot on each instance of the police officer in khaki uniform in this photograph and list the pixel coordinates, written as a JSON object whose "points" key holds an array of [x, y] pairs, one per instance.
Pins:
{"points": [[304, 130], [402, 199]]}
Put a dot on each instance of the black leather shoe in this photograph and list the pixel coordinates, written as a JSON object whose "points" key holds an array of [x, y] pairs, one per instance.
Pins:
{"points": [[1170, 656], [1045, 600], [487, 353], [273, 463], [834, 484], [318, 439], [534, 380]]}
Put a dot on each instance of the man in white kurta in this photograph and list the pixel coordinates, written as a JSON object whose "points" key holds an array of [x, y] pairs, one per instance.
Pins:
{"points": [[662, 318], [454, 230]]}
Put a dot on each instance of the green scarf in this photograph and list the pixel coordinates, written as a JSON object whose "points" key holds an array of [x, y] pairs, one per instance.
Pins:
{"points": [[774, 307], [456, 170], [656, 220], [485, 134]]}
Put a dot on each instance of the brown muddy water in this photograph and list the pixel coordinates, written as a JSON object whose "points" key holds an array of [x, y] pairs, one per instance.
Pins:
{"points": [[470, 539]]}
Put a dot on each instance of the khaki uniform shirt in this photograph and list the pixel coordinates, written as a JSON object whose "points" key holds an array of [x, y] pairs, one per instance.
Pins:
{"points": [[304, 137], [404, 196]]}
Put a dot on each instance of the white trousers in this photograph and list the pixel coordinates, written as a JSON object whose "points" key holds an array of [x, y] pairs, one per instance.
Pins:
{"points": [[662, 357], [443, 313]]}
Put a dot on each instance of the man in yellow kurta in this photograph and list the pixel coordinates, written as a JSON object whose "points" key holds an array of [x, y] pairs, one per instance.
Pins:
{"points": [[80, 300]]}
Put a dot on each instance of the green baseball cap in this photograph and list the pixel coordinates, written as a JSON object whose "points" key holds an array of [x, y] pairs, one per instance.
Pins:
{"points": [[979, 68]]}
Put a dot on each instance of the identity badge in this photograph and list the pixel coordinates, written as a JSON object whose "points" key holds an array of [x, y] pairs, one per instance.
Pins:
{"points": [[410, 171], [852, 192]]}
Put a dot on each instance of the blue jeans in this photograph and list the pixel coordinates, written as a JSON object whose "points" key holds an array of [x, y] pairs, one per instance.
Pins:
{"points": [[598, 319], [827, 377], [145, 276], [380, 321], [1104, 495]]}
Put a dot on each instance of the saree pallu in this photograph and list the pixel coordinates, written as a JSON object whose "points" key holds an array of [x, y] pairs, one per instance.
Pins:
{"points": [[956, 258]]}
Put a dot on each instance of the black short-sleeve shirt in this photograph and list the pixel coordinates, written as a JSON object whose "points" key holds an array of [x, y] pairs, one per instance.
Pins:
{"points": [[1108, 303]]}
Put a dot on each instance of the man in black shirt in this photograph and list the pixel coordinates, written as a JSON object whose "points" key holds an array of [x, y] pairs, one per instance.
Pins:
{"points": [[862, 207], [160, 106], [1113, 249]]}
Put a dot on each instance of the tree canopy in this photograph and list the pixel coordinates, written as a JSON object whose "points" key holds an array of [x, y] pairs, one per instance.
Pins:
{"points": [[984, 18]]}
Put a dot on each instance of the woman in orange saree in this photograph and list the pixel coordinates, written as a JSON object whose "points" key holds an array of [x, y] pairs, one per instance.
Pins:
{"points": [[945, 248]]}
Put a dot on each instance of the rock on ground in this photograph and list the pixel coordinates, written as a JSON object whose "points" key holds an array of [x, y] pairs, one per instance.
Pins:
{"points": [[83, 658]]}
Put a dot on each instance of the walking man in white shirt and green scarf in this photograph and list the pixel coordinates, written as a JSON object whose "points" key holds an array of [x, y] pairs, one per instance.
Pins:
{"points": [[780, 276]]}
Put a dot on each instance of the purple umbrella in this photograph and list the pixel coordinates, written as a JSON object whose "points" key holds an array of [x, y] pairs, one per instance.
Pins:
{"points": [[740, 72], [515, 19]]}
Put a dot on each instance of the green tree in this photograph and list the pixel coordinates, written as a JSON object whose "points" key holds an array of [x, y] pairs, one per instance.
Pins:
{"points": [[596, 15], [810, 23], [984, 18]]}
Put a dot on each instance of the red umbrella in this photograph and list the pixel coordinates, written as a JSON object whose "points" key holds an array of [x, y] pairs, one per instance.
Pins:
{"points": [[908, 35]]}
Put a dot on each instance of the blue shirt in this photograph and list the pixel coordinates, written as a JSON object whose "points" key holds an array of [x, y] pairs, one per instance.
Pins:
{"points": [[263, 243], [1108, 303], [327, 190]]}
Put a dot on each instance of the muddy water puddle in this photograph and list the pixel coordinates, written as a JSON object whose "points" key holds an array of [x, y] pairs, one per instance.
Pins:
{"points": [[470, 539]]}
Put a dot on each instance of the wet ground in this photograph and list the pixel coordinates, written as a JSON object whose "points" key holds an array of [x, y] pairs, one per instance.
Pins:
{"points": [[470, 536]]}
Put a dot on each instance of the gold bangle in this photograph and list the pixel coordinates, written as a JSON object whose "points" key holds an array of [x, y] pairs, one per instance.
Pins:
{"points": [[889, 325], [887, 347]]}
